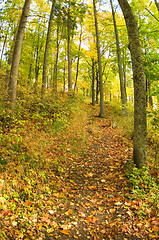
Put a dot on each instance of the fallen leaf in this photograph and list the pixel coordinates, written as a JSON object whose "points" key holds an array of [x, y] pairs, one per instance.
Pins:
{"points": [[66, 232]]}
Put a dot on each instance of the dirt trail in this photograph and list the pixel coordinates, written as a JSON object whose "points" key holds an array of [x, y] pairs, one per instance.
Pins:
{"points": [[96, 204]]}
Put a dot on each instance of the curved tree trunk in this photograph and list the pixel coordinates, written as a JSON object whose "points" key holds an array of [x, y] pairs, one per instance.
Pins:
{"points": [[121, 75], [140, 128], [101, 114], [16, 55], [47, 51]]}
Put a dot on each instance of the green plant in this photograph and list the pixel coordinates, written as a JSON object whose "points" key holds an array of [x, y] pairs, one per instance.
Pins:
{"points": [[143, 185]]}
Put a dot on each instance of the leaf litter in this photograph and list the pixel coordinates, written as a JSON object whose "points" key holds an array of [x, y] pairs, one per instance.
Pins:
{"points": [[76, 187]]}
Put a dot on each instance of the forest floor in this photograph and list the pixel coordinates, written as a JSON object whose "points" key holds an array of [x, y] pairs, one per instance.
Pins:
{"points": [[73, 184]]}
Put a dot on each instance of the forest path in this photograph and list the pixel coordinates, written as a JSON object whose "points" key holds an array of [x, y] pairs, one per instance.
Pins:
{"points": [[95, 203], [67, 179]]}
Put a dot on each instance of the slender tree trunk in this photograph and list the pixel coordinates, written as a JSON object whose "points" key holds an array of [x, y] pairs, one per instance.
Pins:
{"points": [[78, 59], [36, 70], [69, 52], [16, 55], [97, 84], [56, 61], [93, 82], [37, 67], [121, 77], [149, 97], [124, 73], [44, 78], [64, 74], [7, 77], [4, 43], [140, 127], [101, 114]]}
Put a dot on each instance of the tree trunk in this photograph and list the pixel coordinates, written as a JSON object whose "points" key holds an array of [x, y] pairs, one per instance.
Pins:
{"points": [[16, 55], [47, 51], [37, 67], [97, 85], [64, 73], [7, 77], [140, 127], [121, 77], [56, 61], [4, 44], [69, 51], [93, 82], [78, 58], [101, 114]]}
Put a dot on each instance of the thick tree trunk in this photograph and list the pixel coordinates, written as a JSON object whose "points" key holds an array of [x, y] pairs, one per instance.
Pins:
{"points": [[140, 128], [47, 51], [121, 76], [16, 55], [101, 114]]}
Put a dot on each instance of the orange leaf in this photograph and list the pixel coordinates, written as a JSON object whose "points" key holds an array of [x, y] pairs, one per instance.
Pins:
{"points": [[28, 203], [66, 232]]}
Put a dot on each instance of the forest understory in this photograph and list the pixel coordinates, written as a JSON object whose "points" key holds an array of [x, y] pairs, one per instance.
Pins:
{"points": [[73, 177]]}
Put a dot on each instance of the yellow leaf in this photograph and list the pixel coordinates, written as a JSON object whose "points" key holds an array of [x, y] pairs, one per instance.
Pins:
{"points": [[40, 225], [49, 230], [68, 212], [113, 210]]}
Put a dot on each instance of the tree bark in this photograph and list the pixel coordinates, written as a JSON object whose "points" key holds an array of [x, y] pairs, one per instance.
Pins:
{"points": [[78, 59], [47, 51], [69, 51], [4, 44], [56, 61], [16, 55], [7, 77], [101, 114], [121, 76], [97, 83], [140, 127], [93, 82]]}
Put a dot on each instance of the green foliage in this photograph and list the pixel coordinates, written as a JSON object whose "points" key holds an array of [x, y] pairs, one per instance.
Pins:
{"points": [[144, 185]]}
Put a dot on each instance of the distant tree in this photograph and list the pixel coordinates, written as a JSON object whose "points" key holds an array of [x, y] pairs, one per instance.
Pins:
{"points": [[101, 114], [120, 67], [78, 59], [47, 50]]}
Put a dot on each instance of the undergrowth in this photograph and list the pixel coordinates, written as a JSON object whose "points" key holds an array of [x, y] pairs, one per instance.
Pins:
{"points": [[143, 183], [36, 144]]}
